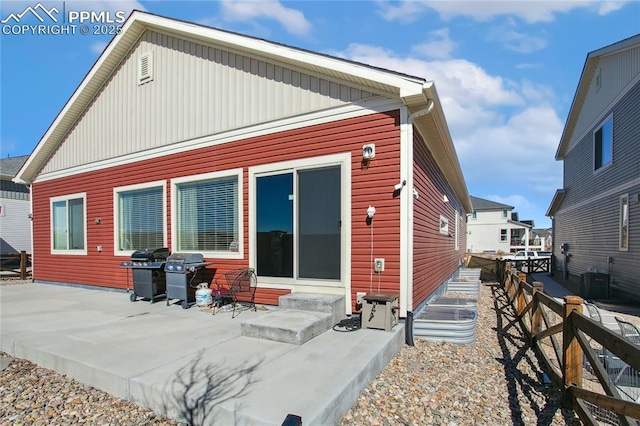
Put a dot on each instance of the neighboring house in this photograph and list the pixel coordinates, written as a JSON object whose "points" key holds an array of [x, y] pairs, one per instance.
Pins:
{"points": [[596, 215], [542, 238], [254, 154], [15, 222], [494, 228]]}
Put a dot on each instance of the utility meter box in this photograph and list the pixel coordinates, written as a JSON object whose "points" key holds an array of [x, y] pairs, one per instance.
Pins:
{"points": [[380, 310]]}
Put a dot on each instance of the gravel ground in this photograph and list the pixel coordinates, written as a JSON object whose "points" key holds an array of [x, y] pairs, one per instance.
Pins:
{"points": [[494, 381]]}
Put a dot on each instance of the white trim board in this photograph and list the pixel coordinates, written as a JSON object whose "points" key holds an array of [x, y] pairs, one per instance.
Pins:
{"points": [[327, 116]]}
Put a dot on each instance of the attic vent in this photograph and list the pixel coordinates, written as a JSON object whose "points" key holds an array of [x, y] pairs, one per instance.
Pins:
{"points": [[598, 79], [145, 68]]}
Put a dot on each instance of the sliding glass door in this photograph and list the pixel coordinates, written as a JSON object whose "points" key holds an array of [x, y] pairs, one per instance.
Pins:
{"points": [[298, 224]]}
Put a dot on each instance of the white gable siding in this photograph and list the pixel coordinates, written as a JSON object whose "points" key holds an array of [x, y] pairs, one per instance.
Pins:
{"points": [[617, 71], [196, 90]]}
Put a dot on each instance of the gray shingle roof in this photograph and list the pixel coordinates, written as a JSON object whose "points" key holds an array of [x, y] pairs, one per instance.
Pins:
{"points": [[482, 204], [10, 166]]}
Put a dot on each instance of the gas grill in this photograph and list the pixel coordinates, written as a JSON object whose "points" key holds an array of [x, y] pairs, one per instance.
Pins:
{"points": [[181, 270], [147, 269]]}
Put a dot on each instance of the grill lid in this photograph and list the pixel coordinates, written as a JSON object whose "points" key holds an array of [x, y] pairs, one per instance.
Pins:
{"points": [[150, 255]]}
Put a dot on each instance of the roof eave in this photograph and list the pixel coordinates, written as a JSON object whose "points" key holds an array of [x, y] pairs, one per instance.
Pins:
{"points": [[404, 86], [441, 145], [555, 203]]}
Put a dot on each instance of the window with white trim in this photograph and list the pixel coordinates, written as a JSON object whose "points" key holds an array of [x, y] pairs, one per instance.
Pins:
{"points": [[603, 144], [68, 224], [208, 213], [624, 223], [140, 217], [505, 213], [457, 243], [503, 235], [474, 215]]}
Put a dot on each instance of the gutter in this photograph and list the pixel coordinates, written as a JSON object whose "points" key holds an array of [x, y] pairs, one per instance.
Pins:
{"points": [[406, 222]]}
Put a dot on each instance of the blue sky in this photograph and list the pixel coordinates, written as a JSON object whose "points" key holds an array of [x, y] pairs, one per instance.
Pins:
{"points": [[506, 71]]}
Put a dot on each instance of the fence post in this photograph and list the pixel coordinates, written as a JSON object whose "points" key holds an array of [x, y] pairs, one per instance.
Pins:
{"points": [[571, 350], [23, 265], [522, 301], [536, 314]]}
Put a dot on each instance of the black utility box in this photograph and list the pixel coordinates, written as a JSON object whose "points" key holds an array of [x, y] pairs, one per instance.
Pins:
{"points": [[594, 285]]}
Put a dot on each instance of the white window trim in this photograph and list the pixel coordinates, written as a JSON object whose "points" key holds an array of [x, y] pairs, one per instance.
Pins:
{"points": [[52, 200], [207, 176], [457, 243], [146, 185], [623, 197], [593, 145], [321, 286], [506, 240]]}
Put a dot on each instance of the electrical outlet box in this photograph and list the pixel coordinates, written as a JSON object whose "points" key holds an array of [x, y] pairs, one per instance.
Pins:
{"points": [[360, 298], [378, 264]]}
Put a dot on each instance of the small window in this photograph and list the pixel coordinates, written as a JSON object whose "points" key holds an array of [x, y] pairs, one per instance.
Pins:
{"points": [[145, 68], [503, 235], [457, 243], [624, 223], [68, 224], [505, 213], [598, 79], [474, 215], [444, 225], [603, 144], [140, 217], [208, 214]]}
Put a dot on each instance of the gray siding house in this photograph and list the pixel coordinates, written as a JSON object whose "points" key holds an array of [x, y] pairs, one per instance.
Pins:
{"points": [[596, 215], [15, 224]]}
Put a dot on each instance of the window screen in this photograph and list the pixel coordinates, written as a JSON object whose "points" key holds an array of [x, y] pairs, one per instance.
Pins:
{"points": [[208, 215], [140, 219]]}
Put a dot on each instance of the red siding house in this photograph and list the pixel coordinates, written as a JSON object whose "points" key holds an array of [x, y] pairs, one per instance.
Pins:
{"points": [[254, 154]]}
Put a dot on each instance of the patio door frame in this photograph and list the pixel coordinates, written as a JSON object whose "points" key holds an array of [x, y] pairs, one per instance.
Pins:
{"points": [[341, 286]]}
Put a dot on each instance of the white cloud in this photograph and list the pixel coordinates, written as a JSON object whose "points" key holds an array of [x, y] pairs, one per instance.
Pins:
{"points": [[529, 11], [516, 41], [292, 20], [469, 95], [439, 46], [98, 47]]}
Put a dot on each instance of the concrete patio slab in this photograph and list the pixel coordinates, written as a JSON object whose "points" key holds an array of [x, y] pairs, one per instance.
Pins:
{"points": [[189, 364]]}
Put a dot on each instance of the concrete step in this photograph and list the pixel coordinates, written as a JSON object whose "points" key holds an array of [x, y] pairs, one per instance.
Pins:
{"points": [[288, 326], [301, 317], [314, 302]]}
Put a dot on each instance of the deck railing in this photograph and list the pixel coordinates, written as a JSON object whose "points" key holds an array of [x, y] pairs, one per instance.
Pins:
{"points": [[9, 262], [574, 350]]}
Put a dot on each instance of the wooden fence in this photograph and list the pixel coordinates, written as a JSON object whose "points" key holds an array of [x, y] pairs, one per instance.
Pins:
{"points": [[570, 346], [8, 265]]}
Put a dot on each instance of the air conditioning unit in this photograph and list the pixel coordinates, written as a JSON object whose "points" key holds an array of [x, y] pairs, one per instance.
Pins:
{"points": [[594, 285]]}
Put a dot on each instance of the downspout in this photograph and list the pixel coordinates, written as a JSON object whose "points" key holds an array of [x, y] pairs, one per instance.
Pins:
{"points": [[408, 194]]}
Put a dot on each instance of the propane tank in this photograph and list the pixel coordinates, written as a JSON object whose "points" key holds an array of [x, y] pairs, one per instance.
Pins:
{"points": [[203, 295]]}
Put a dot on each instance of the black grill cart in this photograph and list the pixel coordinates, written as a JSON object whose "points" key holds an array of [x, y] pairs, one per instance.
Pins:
{"points": [[181, 270], [147, 269]]}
